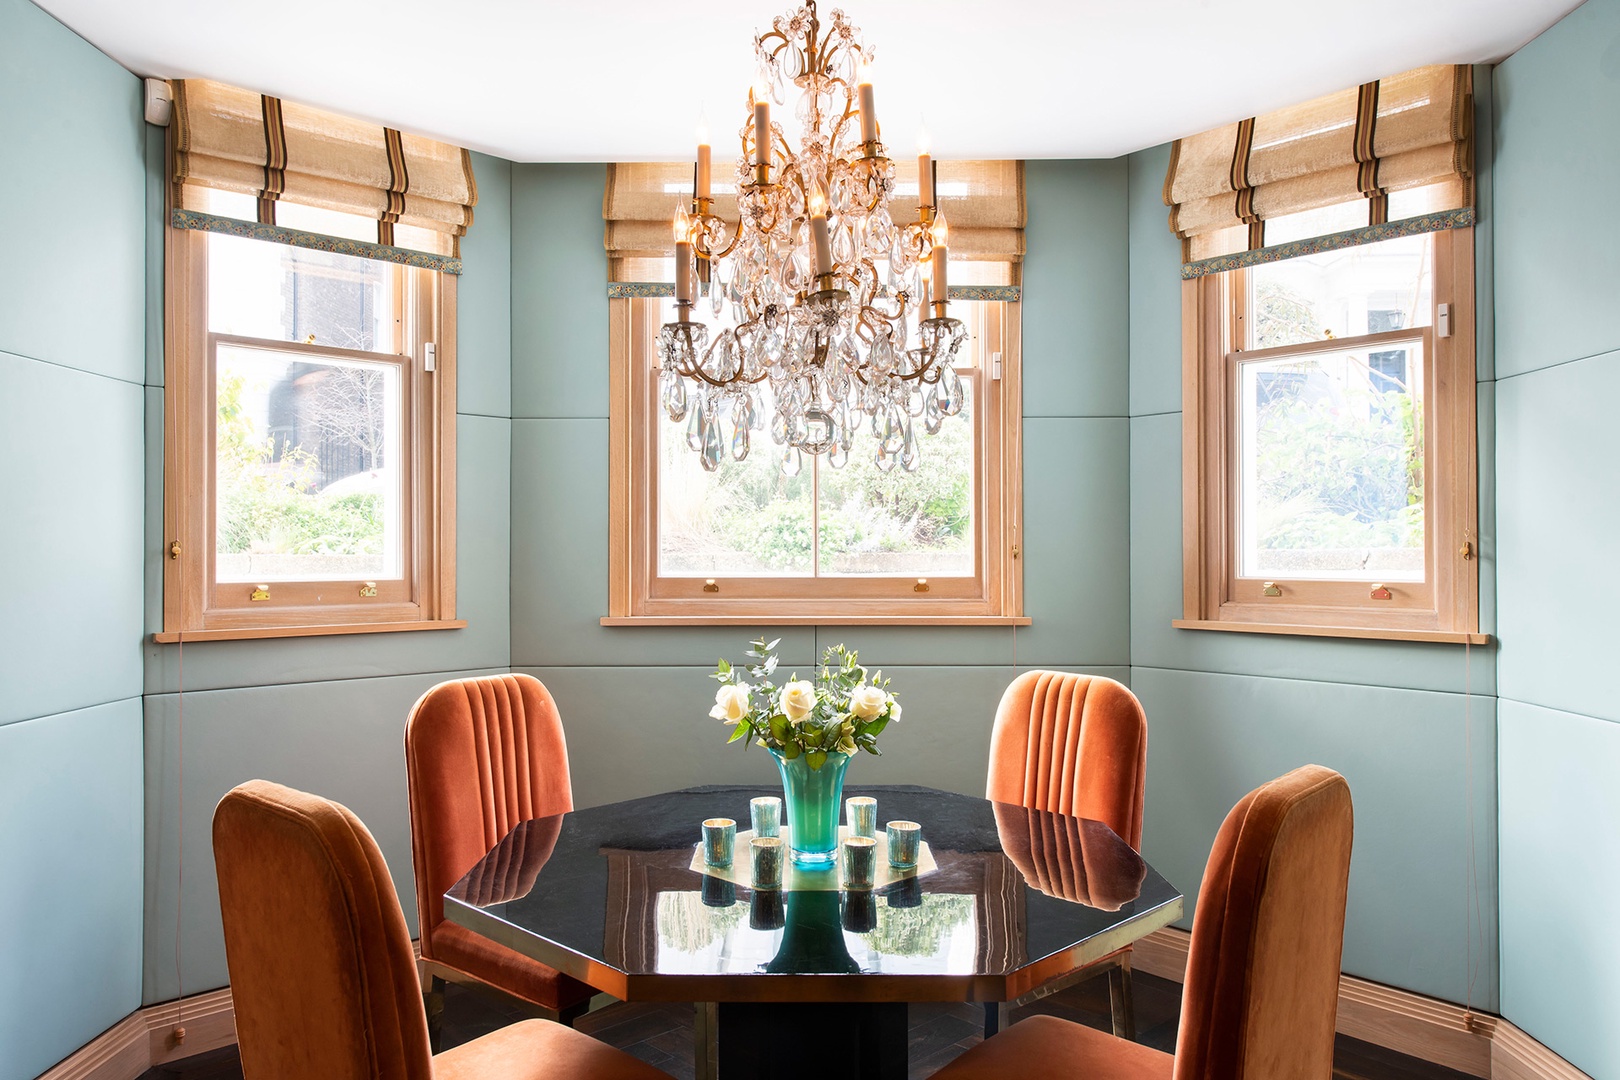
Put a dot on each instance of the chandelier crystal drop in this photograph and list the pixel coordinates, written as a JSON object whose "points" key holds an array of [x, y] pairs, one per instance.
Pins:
{"points": [[816, 294]]}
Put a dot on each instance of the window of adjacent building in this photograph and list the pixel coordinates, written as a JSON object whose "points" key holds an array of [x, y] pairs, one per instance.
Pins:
{"points": [[787, 537], [310, 427], [1330, 441]]}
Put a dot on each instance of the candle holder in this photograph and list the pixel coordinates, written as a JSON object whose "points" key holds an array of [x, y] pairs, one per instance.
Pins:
{"points": [[860, 911], [860, 862], [861, 814], [765, 814], [766, 911], [718, 892], [719, 840], [766, 855], [905, 840]]}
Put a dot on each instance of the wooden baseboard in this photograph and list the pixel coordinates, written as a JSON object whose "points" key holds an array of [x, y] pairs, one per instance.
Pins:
{"points": [[1438, 1031]]}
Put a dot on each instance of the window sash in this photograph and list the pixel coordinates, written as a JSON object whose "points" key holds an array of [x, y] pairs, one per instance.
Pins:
{"points": [[638, 593], [197, 607], [1215, 595]]}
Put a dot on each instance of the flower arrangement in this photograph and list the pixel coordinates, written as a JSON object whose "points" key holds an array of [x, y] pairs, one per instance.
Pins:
{"points": [[840, 712]]}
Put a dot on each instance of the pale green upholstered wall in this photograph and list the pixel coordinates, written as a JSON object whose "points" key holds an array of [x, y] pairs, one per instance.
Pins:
{"points": [[71, 332], [633, 699], [325, 714], [1558, 365], [1411, 726]]}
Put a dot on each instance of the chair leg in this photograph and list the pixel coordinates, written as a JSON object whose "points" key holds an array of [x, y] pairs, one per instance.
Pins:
{"points": [[706, 1040], [1121, 1002], [566, 1017], [433, 1002], [997, 1017]]}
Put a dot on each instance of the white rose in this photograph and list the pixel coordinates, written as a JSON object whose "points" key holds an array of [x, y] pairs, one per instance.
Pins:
{"points": [[894, 710], [868, 702], [798, 699], [731, 703]]}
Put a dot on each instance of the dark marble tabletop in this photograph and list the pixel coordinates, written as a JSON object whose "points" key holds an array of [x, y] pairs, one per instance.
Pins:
{"points": [[608, 895]]}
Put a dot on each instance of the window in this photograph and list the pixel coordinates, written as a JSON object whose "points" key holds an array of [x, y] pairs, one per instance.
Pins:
{"points": [[309, 449], [1329, 443], [800, 541]]}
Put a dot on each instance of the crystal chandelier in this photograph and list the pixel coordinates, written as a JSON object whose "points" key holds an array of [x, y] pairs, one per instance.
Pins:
{"points": [[816, 294]]}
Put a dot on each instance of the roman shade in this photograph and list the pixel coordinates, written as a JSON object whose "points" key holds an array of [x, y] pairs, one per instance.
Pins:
{"points": [[982, 200], [373, 186], [1391, 157]]}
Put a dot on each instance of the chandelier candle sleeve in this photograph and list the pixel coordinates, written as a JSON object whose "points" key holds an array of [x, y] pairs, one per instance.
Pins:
{"points": [[818, 233], [941, 234], [704, 182], [762, 127], [925, 179], [863, 92], [683, 261]]}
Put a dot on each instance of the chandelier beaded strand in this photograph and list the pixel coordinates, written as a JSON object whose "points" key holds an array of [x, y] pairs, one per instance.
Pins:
{"points": [[823, 290]]}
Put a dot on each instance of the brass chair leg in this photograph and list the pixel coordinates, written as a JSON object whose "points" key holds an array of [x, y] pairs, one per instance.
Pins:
{"points": [[433, 1002], [706, 1040], [997, 1017], [1121, 1001]]}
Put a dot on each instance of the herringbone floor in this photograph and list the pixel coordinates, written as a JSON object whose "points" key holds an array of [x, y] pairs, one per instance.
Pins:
{"points": [[662, 1034]]}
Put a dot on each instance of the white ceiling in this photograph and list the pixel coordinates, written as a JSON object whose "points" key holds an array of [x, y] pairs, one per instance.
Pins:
{"points": [[624, 80]]}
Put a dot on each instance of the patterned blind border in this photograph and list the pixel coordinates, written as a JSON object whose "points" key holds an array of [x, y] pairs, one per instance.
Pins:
{"points": [[253, 230], [658, 290], [1372, 234]]}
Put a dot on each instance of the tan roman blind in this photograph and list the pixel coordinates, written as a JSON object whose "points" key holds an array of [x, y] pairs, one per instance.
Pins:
{"points": [[982, 200], [419, 192], [1393, 156]]}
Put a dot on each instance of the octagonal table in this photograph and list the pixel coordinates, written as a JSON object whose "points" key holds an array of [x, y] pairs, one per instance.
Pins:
{"points": [[814, 981]]}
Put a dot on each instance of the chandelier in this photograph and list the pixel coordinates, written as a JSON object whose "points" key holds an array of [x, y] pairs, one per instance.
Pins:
{"points": [[816, 294]]}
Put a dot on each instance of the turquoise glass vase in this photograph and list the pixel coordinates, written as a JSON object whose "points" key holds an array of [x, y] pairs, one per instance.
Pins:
{"points": [[814, 799]]}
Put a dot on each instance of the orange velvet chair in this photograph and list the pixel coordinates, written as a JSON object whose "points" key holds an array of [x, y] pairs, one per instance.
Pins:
{"points": [[481, 756], [1075, 745], [320, 960], [1262, 988]]}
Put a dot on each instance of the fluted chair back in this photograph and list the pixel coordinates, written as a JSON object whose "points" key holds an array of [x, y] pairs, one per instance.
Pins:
{"points": [[1071, 744], [322, 977], [1261, 995], [481, 756]]}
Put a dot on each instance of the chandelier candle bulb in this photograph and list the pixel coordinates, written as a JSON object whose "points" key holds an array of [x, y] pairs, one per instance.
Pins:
{"points": [[863, 93]]}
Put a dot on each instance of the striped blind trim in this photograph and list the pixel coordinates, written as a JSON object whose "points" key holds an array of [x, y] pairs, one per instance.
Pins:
{"points": [[1396, 148], [420, 192], [253, 230]]}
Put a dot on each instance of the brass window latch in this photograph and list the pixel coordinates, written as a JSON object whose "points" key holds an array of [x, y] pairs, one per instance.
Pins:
{"points": [[1467, 551], [921, 586], [1271, 589], [1381, 592], [261, 592], [710, 586], [368, 589], [174, 549]]}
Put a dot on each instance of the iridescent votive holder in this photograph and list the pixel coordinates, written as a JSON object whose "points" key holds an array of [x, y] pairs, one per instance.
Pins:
{"points": [[905, 839], [766, 853], [860, 862], [718, 892], [765, 814], [719, 839], [861, 813]]}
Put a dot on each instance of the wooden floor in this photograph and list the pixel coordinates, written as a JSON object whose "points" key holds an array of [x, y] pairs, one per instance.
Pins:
{"points": [[662, 1034]]}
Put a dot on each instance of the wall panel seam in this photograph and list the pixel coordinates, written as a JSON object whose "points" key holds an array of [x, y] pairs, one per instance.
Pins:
{"points": [[72, 368], [70, 712], [451, 672], [1554, 708], [1477, 694], [1552, 366]]}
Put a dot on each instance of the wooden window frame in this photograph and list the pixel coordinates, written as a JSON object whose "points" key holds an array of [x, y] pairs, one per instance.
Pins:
{"points": [[195, 607], [1445, 607], [638, 596]]}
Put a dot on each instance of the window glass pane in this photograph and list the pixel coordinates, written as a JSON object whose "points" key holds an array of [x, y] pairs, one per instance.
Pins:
{"points": [[900, 523], [265, 290], [1331, 465], [1345, 293], [743, 520], [318, 219], [307, 453]]}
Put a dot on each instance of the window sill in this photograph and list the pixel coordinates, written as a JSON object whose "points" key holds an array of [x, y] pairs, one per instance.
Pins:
{"points": [[240, 633], [815, 620], [1452, 637]]}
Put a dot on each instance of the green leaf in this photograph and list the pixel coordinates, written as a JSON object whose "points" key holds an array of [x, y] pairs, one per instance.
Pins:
{"points": [[816, 759], [790, 751], [725, 666], [738, 732], [771, 645], [780, 728], [875, 728]]}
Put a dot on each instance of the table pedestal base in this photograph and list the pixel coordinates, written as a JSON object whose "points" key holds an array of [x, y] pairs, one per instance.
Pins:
{"points": [[811, 1041]]}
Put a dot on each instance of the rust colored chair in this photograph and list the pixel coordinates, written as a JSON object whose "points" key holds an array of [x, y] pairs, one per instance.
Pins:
{"points": [[481, 756], [1262, 986], [1075, 745], [320, 960]]}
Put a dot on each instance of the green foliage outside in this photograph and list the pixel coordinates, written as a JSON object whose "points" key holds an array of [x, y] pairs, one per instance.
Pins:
{"points": [[1338, 464], [269, 506]]}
